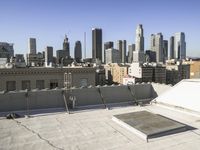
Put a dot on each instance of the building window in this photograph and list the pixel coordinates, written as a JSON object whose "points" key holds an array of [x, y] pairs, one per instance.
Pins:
{"points": [[84, 82], [40, 84], [53, 84], [11, 85], [26, 84]]}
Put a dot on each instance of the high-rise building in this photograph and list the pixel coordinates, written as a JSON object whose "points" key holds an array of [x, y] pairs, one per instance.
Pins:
{"points": [[150, 56], [66, 47], [157, 46], [123, 53], [121, 46], [138, 54], [48, 55], [112, 56], [60, 56], [139, 41], [107, 45], [97, 44], [32, 46], [165, 50], [172, 47], [131, 49], [179, 46], [6, 50], [78, 51]]}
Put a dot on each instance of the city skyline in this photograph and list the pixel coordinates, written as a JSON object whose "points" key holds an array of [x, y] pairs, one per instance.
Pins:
{"points": [[24, 20]]}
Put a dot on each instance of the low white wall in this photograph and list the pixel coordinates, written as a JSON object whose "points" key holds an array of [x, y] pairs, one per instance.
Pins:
{"points": [[159, 89]]}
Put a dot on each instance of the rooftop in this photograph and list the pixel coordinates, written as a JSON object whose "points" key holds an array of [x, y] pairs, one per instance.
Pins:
{"points": [[94, 129]]}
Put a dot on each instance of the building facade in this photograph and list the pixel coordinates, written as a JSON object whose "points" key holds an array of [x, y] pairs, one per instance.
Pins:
{"points": [[139, 40], [194, 69], [48, 55], [165, 50], [66, 46], [32, 46], [6, 50], [78, 51], [131, 49], [107, 45], [41, 78], [97, 44], [112, 56], [150, 56], [157, 46], [179, 46], [172, 47], [177, 72], [138, 54], [115, 73], [147, 73]]}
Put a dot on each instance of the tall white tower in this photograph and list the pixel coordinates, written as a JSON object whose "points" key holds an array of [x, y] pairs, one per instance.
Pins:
{"points": [[139, 40], [138, 54]]}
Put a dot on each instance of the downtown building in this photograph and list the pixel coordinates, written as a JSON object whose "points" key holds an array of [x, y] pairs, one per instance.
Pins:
{"points": [[48, 56], [97, 44], [6, 50], [131, 49], [33, 58], [121, 46], [107, 45], [157, 46], [78, 52], [178, 46], [138, 54], [112, 56]]}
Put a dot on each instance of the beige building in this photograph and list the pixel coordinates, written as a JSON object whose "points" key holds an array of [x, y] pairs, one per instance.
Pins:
{"points": [[41, 78], [116, 72], [195, 69]]}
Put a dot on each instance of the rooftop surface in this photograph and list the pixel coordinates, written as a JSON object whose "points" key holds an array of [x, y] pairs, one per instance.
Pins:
{"points": [[94, 130]]}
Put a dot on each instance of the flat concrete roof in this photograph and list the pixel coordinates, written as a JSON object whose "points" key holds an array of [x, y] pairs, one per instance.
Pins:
{"points": [[148, 125], [93, 130]]}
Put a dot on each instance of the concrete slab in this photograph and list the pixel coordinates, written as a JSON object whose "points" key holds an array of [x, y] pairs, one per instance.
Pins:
{"points": [[148, 125], [93, 129]]}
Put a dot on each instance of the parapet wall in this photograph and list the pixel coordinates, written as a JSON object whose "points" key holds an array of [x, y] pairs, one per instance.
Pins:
{"points": [[43, 99]]}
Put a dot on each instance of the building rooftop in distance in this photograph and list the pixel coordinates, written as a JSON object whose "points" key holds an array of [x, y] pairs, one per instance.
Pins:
{"points": [[94, 129]]}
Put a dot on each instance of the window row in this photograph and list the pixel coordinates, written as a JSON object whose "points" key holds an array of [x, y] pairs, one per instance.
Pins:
{"points": [[26, 84]]}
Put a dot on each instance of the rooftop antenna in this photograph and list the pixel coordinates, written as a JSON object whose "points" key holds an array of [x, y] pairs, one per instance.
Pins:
{"points": [[85, 44]]}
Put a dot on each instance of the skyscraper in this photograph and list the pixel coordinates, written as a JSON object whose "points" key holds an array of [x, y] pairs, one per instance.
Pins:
{"points": [[138, 54], [107, 45], [172, 47], [121, 46], [179, 46], [66, 47], [165, 50], [131, 49], [97, 44], [32, 46], [157, 46], [123, 53], [78, 51], [139, 41], [6, 50], [48, 55], [112, 56]]}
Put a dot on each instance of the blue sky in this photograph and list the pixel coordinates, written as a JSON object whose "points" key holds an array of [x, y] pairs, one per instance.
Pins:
{"points": [[49, 20]]}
